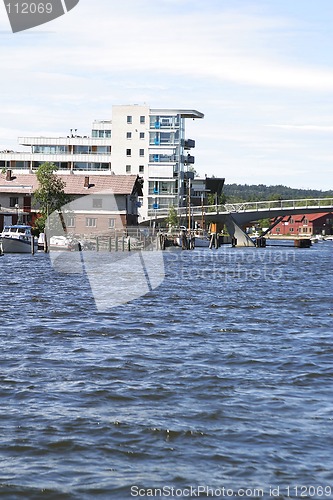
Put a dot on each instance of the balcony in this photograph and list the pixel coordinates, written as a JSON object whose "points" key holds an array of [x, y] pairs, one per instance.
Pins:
{"points": [[189, 143], [188, 160]]}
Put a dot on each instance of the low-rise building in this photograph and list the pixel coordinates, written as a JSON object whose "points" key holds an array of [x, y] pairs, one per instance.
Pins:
{"points": [[138, 140], [102, 202], [304, 225]]}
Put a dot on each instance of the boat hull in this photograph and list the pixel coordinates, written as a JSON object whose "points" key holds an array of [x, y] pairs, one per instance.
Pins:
{"points": [[201, 242], [12, 245]]}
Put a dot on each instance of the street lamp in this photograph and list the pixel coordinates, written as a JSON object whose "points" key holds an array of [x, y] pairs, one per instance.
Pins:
{"points": [[17, 207]]}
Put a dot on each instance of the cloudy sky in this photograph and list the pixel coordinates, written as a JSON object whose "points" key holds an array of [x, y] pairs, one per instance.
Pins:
{"points": [[260, 70]]}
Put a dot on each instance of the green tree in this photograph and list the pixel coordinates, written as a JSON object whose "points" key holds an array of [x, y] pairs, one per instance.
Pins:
{"points": [[190, 168], [211, 200], [172, 218], [50, 196]]}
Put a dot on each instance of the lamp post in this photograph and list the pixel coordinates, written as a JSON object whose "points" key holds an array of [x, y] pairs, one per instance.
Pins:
{"points": [[17, 207]]}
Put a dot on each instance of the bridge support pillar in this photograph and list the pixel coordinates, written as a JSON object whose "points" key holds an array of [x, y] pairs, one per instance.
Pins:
{"points": [[242, 239]]}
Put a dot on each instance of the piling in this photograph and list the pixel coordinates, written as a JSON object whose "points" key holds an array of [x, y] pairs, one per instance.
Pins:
{"points": [[260, 242], [32, 242], [302, 243]]}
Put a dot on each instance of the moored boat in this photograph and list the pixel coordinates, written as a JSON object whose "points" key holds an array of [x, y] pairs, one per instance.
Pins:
{"points": [[201, 241], [17, 238]]}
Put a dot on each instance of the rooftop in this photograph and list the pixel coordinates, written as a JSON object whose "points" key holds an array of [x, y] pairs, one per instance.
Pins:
{"points": [[75, 183]]}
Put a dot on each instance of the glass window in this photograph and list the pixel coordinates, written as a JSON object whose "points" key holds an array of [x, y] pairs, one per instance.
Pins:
{"points": [[129, 135], [13, 201], [70, 222], [81, 149], [142, 119], [112, 223], [91, 222], [129, 119], [142, 152], [141, 168], [128, 169], [103, 149], [142, 135], [97, 203], [128, 152]]}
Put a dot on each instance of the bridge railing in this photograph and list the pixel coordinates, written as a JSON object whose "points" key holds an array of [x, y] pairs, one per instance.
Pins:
{"points": [[183, 211], [280, 204], [255, 206]]}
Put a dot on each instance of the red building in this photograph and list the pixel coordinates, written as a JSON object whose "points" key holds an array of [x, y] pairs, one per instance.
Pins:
{"points": [[304, 225]]}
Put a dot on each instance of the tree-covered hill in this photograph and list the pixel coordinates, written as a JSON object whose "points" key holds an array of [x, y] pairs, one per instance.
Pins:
{"points": [[261, 192]]}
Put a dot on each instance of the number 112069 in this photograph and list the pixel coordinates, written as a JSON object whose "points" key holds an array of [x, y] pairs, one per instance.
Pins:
{"points": [[29, 8]]}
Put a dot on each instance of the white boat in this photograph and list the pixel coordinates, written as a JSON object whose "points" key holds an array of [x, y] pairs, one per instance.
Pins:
{"points": [[16, 239], [61, 243]]}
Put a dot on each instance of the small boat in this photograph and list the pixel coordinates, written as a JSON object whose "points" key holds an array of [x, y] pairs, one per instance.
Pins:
{"points": [[17, 239], [201, 241], [61, 243]]}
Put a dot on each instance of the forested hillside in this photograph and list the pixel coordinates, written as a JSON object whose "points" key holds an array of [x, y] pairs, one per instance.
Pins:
{"points": [[261, 192]]}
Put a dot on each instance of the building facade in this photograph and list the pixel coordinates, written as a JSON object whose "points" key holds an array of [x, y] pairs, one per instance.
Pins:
{"points": [[138, 140], [99, 203], [304, 225]]}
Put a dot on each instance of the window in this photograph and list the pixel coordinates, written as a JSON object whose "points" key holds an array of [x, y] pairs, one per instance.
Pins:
{"points": [[13, 201], [112, 223], [142, 119], [70, 221], [141, 169], [142, 135], [129, 119], [91, 222], [128, 152], [142, 152], [101, 133], [128, 169], [129, 135], [97, 202]]}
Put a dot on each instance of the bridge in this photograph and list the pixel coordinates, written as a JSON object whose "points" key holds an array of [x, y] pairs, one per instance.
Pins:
{"points": [[236, 215]]}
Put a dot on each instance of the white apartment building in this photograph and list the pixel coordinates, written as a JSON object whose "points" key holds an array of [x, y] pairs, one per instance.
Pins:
{"points": [[138, 140]]}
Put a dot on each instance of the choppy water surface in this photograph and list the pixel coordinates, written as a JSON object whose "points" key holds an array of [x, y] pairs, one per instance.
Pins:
{"points": [[220, 378]]}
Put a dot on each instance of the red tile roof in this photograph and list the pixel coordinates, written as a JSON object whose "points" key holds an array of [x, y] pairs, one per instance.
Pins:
{"points": [[300, 217], [117, 184]]}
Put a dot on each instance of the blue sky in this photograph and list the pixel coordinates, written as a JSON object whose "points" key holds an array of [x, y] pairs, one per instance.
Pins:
{"points": [[260, 70]]}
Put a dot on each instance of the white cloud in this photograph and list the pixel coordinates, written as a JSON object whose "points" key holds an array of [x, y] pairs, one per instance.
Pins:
{"points": [[253, 72], [305, 128]]}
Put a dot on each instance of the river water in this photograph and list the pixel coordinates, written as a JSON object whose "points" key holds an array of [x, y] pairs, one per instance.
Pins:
{"points": [[218, 382]]}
